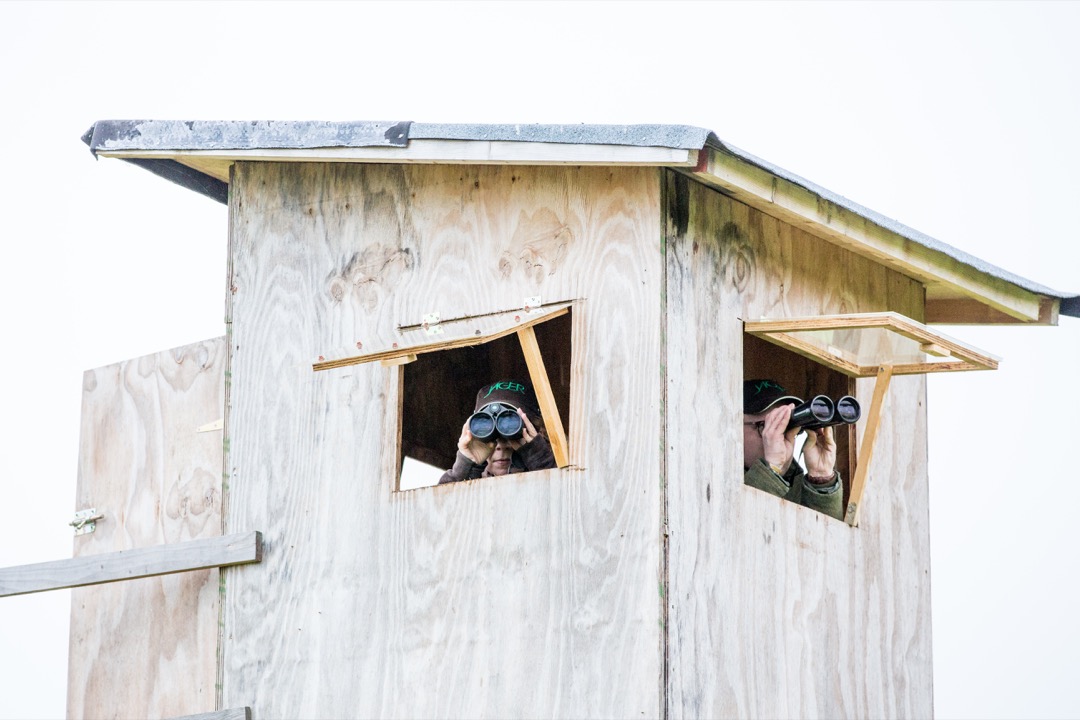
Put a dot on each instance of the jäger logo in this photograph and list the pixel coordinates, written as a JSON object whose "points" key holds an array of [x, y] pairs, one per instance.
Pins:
{"points": [[505, 385], [765, 385]]}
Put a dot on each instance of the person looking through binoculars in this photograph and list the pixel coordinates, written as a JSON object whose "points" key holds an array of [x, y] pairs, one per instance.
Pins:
{"points": [[505, 434], [772, 420]]}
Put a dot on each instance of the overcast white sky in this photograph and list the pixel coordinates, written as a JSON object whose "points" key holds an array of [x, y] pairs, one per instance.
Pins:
{"points": [[959, 120]]}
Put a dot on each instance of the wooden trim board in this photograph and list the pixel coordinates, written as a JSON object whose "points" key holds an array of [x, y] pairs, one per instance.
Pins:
{"points": [[216, 163], [199, 554]]}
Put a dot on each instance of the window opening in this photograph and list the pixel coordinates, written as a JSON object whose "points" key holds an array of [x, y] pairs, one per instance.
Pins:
{"points": [[439, 392], [443, 365], [831, 351]]}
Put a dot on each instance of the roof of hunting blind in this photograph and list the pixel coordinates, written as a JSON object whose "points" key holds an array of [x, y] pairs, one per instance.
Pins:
{"points": [[960, 288]]}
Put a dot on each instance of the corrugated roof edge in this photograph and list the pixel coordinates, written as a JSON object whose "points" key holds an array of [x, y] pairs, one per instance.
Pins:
{"points": [[229, 135], [683, 137], [240, 135]]}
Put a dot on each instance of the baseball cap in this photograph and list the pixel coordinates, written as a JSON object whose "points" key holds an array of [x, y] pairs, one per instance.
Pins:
{"points": [[762, 395], [508, 392]]}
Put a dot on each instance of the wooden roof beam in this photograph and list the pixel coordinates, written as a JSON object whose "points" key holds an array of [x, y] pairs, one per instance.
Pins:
{"points": [[966, 311], [798, 206], [457, 152]]}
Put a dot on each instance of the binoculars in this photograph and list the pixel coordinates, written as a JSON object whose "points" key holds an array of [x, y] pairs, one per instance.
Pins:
{"points": [[819, 411], [496, 421]]}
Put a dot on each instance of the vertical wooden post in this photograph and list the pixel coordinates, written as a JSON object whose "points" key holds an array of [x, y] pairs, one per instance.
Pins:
{"points": [[544, 396], [866, 448]]}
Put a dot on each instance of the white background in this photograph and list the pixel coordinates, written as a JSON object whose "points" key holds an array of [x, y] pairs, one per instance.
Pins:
{"points": [[958, 119]]}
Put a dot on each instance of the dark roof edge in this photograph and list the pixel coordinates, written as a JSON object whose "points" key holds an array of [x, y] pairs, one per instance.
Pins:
{"points": [[108, 135], [173, 171]]}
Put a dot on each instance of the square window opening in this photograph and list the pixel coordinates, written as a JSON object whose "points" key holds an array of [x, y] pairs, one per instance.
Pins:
{"points": [[439, 391], [805, 378]]}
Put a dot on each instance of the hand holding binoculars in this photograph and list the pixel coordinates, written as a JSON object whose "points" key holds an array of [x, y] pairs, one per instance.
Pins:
{"points": [[819, 412]]}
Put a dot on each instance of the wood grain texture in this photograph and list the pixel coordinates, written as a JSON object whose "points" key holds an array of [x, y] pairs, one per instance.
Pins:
{"points": [[534, 595], [147, 647], [131, 564], [776, 610]]}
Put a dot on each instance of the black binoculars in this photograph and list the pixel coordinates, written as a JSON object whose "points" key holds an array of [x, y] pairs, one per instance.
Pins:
{"points": [[819, 411], [496, 421]]}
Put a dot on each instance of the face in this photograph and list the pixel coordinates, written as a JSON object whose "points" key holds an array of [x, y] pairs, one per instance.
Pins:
{"points": [[753, 447], [499, 462]]}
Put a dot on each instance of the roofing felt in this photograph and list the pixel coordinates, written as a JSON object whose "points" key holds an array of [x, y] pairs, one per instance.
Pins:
{"points": [[163, 135]]}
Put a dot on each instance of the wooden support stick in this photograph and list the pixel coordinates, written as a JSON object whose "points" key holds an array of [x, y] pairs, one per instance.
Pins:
{"points": [[866, 447], [131, 564], [542, 387]]}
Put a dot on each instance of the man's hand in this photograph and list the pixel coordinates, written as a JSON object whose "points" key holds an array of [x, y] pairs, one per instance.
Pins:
{"points": [[476, 450], [819, 453], [528, 432], [779, 445]]}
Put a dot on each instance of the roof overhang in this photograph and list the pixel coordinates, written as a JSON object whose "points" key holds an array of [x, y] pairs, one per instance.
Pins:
{"points": [[960, 289], [957, 292]]}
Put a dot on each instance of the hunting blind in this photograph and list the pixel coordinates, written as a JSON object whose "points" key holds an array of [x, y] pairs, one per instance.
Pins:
{"points": [[247, 494]]}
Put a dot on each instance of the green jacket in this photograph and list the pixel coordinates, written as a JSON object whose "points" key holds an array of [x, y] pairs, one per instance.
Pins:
{"points": [[794, 486]]}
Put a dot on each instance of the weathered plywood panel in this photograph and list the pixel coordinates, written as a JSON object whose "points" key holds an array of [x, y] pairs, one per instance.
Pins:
{"points": [[148, 647], [776, 610], [530, 596]]}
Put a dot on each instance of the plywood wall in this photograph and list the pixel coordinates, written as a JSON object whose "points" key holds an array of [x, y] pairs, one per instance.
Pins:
{"points": [[775, 610], [148, 648], [537, 595]]}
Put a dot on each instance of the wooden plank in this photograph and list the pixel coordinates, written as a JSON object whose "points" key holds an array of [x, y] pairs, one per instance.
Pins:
{"points": [[463, 332], [775, 610], [866, 448], [801, 208], [542, 387], [456, 152], [132, 564], [243, 713], [148, 647], [533, 594]]}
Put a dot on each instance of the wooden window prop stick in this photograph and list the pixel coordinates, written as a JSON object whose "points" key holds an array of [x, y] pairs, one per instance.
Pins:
{"points": [[544, 396], [866, 448]]}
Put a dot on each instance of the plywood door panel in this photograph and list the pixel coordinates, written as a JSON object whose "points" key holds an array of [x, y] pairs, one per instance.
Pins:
{"points": [[148, 647], [534, 595], [776, 610]]}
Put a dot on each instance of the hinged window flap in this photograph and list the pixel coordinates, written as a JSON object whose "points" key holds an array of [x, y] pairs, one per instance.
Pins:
{"points": [[456, 332], [861, 344]]}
